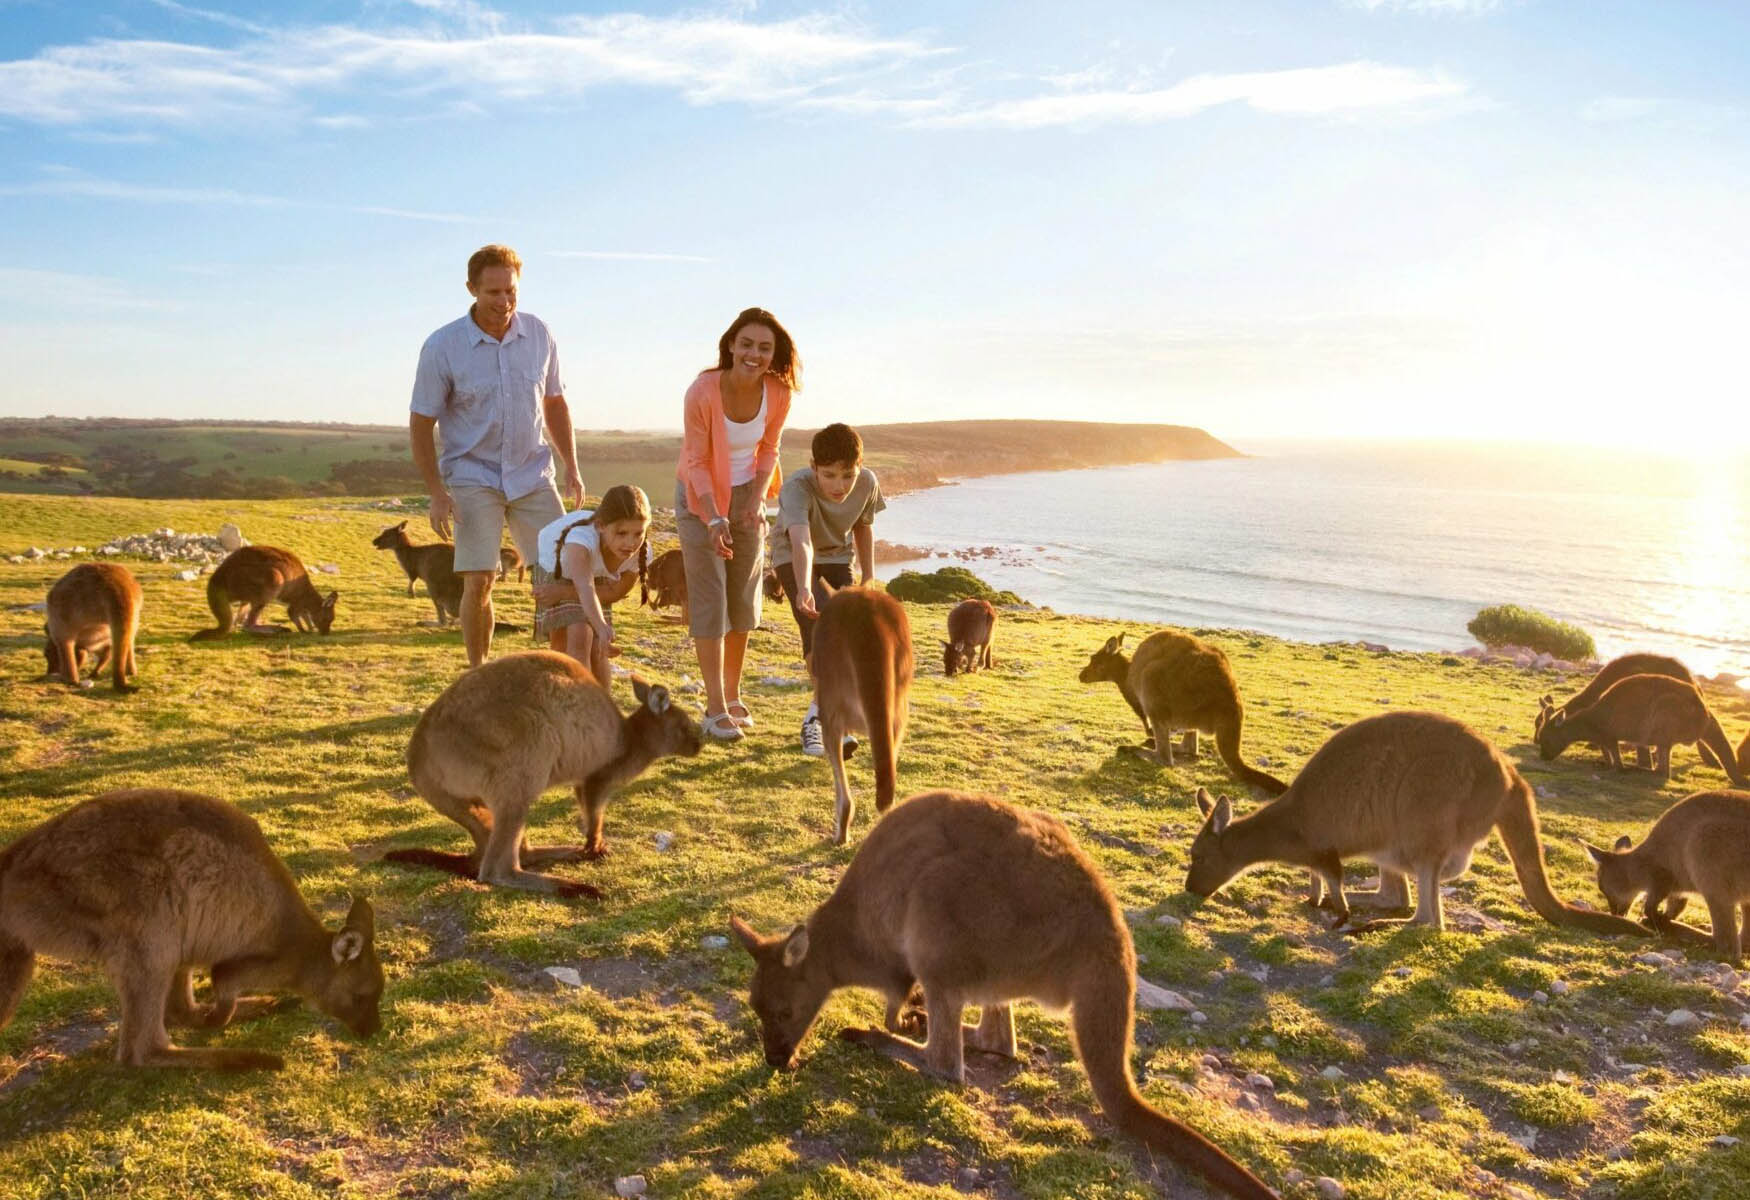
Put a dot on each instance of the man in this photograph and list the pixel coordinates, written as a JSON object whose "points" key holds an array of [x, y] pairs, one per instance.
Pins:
{"points": [[489, 383]]}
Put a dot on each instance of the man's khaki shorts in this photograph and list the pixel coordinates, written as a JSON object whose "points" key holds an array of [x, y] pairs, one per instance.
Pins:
{"points": [[481, 514]]}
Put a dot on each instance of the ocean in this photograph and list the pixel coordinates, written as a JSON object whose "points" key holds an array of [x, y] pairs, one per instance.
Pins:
{"points": [[1400, 544]]}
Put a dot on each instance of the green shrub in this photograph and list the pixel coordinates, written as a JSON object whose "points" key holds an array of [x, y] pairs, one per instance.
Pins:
{"points": [[1510, 625], [944, 585]]}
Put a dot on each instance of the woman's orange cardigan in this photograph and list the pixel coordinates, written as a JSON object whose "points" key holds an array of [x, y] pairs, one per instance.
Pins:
{"points": [[704, 462]]}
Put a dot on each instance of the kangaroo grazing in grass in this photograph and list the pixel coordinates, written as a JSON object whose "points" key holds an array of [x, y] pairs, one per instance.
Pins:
{"points": [[1647, 710], [983, 903], [511, 728], [971, 624], [509, 559], [862, 668], [1615, 670], [152, 882], [257, 576], [1176, 681], [666, 579], [1415, 792], [1700, 846], [93, 609]]}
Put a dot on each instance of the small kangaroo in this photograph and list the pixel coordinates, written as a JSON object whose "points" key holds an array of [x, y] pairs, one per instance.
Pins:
{"points": [[509, 559], [93, 609], [1415, 792], [971, 624], [1612, 672], [152, 882], [257, 576], [511, 728], [981, 903], [862, 668], [433, 563], [666, 579], [1698, 846], [1647, 710], [1179, 682]]}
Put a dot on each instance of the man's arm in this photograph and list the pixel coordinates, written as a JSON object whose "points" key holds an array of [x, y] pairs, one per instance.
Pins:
{"points": [[419, 435], [559, 433], [864, 537]]}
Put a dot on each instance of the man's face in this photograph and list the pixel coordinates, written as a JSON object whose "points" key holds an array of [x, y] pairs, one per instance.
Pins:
{"points": [[494, 295], [835, 480]]}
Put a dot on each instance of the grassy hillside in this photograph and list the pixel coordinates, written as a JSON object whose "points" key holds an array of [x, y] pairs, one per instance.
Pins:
{"points": [[488, 1079]]}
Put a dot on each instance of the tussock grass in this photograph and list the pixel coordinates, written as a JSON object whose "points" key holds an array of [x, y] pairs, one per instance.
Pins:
{"points": [[488, 1079]]}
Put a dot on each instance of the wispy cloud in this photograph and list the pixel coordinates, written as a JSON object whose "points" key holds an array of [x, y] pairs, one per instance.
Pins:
{"points": [[109, 189], [1306, 91], [631, 256], [81, 292], [1461, 8], [204, 14]]}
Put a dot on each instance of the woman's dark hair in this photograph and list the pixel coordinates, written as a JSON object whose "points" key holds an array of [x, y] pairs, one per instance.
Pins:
{"points": [[786, 363]]}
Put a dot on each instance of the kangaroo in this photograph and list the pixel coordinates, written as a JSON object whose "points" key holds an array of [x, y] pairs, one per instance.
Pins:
{"points": [[433, 563], [152, 882], [257, 576], [1647, 710], [93, 609], [509, 559], [862, 668], [971, 624], [980, 902], [667, 582], [1613, 671], [511, 728], [1415, 792], [1698, 846], [1176, 681]]}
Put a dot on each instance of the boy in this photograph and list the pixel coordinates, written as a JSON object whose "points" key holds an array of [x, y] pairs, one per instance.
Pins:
{"points": [[823, 510]]}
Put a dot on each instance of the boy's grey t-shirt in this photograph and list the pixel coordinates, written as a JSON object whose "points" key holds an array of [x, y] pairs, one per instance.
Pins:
{"points": [[829, 524]]}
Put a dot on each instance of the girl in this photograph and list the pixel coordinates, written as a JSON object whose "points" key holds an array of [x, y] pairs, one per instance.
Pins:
{"points": [[590, 560], [734, 416]]}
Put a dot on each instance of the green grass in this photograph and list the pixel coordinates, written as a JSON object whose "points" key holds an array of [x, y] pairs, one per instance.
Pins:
{"points": [[487, 1079]]}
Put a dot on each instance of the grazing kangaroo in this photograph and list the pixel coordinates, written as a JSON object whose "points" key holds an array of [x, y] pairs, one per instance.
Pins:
{"points": [[93, 609], [1617, 669], [511, 728], [1647, 710], [666, 579], [153, 882], [257, 576], [862, 668], [1415, 792], [509, 559], [981, 903], [1698, 846], [1178, 682], [971, 624]]}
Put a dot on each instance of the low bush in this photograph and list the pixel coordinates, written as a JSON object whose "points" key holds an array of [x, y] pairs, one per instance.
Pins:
{"points": [[1510, 625], [945, 585]]}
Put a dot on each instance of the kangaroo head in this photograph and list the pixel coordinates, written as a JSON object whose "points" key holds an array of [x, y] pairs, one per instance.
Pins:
{"points": [[352, 983], [787, 993], [955, 658], [1554, 736], [324, 615], [1212, 862], [1617, 878], [1546, 707], [1107, 664], [661, 723], [395, 535]]}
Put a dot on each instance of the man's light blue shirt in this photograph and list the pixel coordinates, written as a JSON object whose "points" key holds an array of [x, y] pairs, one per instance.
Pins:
{"points": [[487, 395]]}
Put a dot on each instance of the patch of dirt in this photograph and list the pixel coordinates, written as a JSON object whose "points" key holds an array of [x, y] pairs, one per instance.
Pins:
{"points": [[616, 978], [62, 1042]]}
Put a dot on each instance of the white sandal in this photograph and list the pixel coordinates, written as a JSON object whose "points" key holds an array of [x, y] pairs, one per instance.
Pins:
{"points": [[722, 726], [742, 722]]}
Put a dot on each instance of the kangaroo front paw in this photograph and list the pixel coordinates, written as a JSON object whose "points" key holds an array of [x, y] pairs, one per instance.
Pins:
{"points": [[864, 1037]]}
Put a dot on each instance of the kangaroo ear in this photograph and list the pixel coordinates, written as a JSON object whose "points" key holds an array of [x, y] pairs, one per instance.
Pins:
{"points": [[1112, 644], [1546, 701], [403, 525], [361, 918], [332, 597], [348, 944], [1558, 718], [827, 587], [640, 689], [1204, 804], [945, 644], [1596, 854], [1224, 813], [657, 701], [746, 935], [796, 946], [1622, 843]]}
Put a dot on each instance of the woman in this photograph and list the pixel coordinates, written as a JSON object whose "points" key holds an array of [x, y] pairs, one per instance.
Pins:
{"points": [[728, 468]]}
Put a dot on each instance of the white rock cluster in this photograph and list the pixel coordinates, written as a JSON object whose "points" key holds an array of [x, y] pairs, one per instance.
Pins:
{"points": [[161, 545]]}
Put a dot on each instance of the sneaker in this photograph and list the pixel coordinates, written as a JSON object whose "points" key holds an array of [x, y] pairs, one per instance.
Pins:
{"points": [[812, 743]]}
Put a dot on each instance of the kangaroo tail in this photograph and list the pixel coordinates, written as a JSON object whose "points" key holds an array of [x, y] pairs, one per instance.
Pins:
{"points": [[1714, 739], [875, 688], [1101, 1015], [1708, 756], [122, 627], [1517, 822], [1227, 744], [16, 965], [219, 600], [215, 1059], [456, 864], [505, 627]]}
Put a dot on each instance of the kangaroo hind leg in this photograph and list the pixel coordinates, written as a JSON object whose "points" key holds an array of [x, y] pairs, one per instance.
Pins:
{"points": [[995, 1031], [501, 862], [17, 961], [942, 1056]]}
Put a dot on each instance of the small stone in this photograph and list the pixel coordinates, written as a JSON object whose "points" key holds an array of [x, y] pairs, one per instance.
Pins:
{"points": [[1198, 1018], [1652, 959], [566, 975], [1333, 1073], [1515, 1047], [187, 576], [1403, 972], [1559, 988], [1540, 997], [1725, 1141], [1257, 1079], [1268, 1041], [1744, 1021], [1526, 1138], [1293, 1176], [1682, 1018], [714, 941], [663, 839], [627, 1186], [1742, 1070], [1169, 921], [1329, 1189], [636, 1081], [967, 1179], [1630, 1068], [1210, 1062], [1516, 1193], [328, 568], [1246, 1101], [1562, 1077], [1153, 996]]}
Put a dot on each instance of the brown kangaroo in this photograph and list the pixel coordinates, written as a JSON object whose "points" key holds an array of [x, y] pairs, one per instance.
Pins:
{"points": [[971, 624], [1699, 846], [1176, 681], [981, 903], [153, 882], [1647, 710], [257, 576], [511, 728], [509, 559], [862, 668], [93, 609], [667, 582], [1415, 792], [1613, 671], [433, 563]]}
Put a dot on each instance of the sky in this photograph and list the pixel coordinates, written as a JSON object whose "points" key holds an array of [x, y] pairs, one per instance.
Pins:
{"points": [[1487, 219]]}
